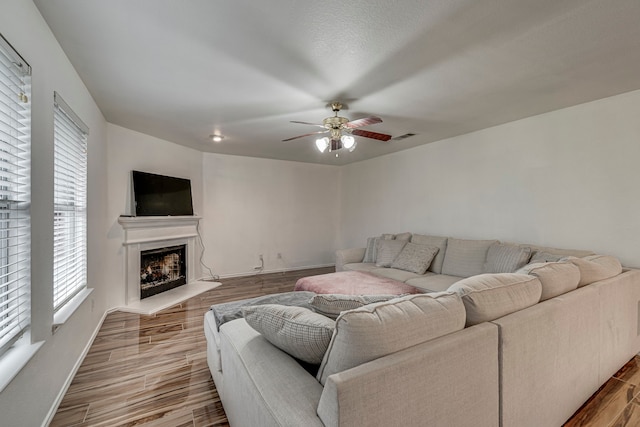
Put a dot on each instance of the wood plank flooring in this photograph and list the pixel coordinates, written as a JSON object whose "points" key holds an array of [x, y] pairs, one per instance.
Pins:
{"points": [[152, 371]]}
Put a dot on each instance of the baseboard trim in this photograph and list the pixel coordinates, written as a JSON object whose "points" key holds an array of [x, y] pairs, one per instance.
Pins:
{"points": [[278, 270], [72, 374]]}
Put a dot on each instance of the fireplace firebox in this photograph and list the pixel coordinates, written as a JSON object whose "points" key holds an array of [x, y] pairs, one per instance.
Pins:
{"points": [[162, 269]]}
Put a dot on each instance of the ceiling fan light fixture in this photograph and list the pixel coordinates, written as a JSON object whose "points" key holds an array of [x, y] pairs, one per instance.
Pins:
{"points": [[348, 142], [353, 147], [322, 144]]}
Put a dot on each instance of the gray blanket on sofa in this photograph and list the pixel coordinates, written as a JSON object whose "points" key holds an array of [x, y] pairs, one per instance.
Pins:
{"points": [[228, 311]]}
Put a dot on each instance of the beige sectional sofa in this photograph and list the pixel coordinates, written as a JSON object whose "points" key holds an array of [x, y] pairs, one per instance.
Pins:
{"points": [[455, 260], [498, 349]]}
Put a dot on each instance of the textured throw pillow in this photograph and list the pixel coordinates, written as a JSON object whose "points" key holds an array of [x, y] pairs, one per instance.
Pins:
{"points": [[295, 330], [371, 250], [542, 256], [415, 258], [331, 305], [437, 241], [388, 250], [557, 278], [506, 258], [487, 297], [379, 329], [594, 268]]}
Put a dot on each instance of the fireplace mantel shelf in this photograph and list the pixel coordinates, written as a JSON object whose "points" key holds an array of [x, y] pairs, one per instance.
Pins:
{"points": [[130, 222]]}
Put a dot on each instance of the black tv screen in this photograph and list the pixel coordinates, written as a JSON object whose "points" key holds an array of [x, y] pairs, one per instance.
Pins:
{"points": [[159, 195]]}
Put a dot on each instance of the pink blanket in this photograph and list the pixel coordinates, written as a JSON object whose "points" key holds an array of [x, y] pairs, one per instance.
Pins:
{"points": [[353, 283]]}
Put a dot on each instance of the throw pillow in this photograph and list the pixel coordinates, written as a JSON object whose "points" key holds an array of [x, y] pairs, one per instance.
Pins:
{"points": [[388, 250], [295, 330], [594, 268], [379, 329], [331, 305], [487, 297], [370, 252], [437, 241], [415, 258], [506, 258]]}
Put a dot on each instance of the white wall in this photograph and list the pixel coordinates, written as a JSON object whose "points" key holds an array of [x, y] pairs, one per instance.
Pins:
{"points": [[28, 398], [129, 150], [568, 178], [259, 206]]}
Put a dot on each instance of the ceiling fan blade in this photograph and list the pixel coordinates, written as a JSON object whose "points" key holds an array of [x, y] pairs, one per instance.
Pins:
{"points": [[306, 134], [307, 123], [365, 121], [372, 135]]}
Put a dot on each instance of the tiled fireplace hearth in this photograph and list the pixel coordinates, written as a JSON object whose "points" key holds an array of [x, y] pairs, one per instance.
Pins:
{"points": [[147, 235]]}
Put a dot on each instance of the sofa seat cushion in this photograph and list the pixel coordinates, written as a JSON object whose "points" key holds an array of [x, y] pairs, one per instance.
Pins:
{"points": [[594, 268], [297, 331], [379, 329], [360, 266], [465, 258], [487, 297], [506, 258], [431, 282], [437, 241], [394, 274], [556, 278]]}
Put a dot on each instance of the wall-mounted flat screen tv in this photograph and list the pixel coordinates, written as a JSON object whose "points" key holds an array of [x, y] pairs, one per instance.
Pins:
{"points": [[159, 195]]}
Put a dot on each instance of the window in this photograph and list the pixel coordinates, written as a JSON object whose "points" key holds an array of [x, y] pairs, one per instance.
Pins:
{"points": [[70, 204], [15, 189]]}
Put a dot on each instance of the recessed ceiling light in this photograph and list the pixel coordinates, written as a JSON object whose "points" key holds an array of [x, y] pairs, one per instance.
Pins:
{"points": [[216, 138]]}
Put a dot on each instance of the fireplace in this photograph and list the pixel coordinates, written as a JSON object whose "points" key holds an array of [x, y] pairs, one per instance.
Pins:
{"points": [[162, 269]]}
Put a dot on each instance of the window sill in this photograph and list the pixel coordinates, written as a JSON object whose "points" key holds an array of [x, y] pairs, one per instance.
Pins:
{"points": [[62, 315], [14, 359]]}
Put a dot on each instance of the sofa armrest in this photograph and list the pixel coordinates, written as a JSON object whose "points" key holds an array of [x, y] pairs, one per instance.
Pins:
{"points": [[452, 380], [264, 386], [347, 256]]}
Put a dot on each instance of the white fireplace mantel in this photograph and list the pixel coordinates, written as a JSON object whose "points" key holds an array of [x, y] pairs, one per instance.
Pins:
{"points": [[152, 232], [143, 229]]}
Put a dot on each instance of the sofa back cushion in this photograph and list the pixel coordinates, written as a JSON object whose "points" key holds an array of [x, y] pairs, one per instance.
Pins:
{"points": [[506, 258], [596, 267], [487, 297], [379, 329], [438, 242], [556, 278], [465, 258]]}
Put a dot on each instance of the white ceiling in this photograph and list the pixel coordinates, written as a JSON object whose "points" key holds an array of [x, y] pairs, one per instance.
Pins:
{"points": [[182, 70]]}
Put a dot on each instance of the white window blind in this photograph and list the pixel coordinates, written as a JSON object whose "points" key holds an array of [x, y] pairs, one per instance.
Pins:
{"points": [[70, 204], [15, 175]]}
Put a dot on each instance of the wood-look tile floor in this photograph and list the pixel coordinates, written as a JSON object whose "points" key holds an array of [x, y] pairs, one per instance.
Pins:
{"points": [[152, 370]]}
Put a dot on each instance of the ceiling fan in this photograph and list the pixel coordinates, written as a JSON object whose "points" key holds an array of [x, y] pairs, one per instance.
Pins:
{"points": [[341, 131]]}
